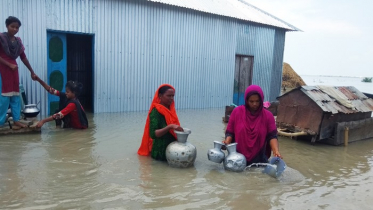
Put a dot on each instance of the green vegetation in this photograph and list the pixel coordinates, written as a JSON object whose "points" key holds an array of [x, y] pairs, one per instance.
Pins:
{"points": [[367, 79]]}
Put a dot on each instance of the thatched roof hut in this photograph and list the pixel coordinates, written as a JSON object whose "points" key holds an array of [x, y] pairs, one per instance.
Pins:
{"points": [[290, 79]]}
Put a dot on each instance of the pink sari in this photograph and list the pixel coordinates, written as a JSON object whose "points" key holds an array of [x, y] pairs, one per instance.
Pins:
{"points": [[252, 131]]}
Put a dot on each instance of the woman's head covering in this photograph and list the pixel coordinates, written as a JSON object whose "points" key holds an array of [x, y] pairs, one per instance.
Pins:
{"points": [[251, 90], [251, 129], [170, 116]]}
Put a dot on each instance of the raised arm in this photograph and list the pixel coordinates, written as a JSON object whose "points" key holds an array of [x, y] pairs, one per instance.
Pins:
{"points": [[45, 85]]}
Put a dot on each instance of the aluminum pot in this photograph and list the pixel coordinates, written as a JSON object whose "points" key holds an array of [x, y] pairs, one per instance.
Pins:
{"points": [[234, 161], [180, 153], [215, 154], [31, 110]]}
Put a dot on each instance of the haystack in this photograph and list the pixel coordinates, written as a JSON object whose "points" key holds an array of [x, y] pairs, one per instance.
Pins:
{"points": [[290, 79]]}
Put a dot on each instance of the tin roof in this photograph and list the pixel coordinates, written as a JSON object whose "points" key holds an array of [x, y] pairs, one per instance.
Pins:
{"points": [[345, 99], [238, 9]]}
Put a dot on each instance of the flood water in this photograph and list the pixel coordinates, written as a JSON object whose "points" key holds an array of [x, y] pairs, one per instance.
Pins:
{"points": [[313, 80], [99, 168]]}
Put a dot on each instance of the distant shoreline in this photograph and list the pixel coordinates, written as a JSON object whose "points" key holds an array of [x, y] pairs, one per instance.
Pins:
{"points": [[355, 81], [333, 76]]}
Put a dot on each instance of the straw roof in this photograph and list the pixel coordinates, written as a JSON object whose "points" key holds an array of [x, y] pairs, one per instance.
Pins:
{"points": [[290, 79]]}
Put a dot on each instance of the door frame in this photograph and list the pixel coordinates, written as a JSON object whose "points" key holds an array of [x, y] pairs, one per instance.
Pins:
{"points": [[239, 83], [51, 31], [56, 67]]}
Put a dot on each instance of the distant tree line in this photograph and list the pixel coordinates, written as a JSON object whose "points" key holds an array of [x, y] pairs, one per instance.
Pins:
{"points": [[367, 79]]}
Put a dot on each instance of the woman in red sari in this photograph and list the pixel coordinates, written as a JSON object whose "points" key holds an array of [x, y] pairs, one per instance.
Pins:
{"points": [[10, 48], [160, 124], [253, 128]]}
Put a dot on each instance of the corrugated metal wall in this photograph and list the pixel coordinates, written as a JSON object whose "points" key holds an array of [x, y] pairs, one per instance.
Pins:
{"points": [[159, 44], [139, 45], [267, 46], [277, 65]]}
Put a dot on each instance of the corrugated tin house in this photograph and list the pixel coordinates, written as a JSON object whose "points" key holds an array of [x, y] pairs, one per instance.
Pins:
{"points": [[122, 50], [317, 110]]}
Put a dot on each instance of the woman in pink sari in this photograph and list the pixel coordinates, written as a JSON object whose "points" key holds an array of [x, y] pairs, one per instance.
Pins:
{"points": [[253, 128]]}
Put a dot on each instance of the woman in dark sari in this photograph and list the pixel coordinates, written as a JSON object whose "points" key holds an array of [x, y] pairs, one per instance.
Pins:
{"points": [[160, 124], [10, 48]]}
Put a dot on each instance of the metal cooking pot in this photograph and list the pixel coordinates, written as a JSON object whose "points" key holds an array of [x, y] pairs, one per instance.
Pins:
{"points": [[31, 110]]}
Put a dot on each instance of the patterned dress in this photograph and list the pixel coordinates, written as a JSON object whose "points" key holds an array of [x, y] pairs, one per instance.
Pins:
{"points": [[158, 121]]}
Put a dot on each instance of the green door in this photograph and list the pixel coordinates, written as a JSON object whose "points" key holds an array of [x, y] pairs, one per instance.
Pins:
{"points": [[57, 76]]}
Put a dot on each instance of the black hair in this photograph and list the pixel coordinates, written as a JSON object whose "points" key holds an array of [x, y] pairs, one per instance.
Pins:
{"points": [[254, 93], [163, 89], [11, 20], [75, 87]]}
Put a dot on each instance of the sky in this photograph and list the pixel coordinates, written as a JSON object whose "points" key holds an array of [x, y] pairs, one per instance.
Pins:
{"points": [[336, 37]]}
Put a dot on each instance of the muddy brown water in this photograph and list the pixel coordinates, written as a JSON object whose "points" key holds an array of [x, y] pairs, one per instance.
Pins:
{"points": [[99, 168]]}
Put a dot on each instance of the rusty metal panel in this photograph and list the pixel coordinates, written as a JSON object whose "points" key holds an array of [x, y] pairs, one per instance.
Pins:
{"points": [[297, 112], [368, 103], [328, 103], [350, 95], [316, 95], [355, 91], [335, 107], [330, 107], [360, 106], [324, 101], [320, 99]]}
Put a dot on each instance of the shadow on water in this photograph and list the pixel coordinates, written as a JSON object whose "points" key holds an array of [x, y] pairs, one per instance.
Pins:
{"points": [[99, 168]]}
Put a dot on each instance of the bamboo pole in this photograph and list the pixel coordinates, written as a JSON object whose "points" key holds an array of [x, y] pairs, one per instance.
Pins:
{"points": [[346, 136]]}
